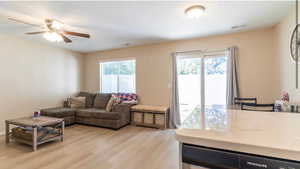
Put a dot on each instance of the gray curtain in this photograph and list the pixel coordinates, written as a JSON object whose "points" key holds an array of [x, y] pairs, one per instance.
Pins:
{"points": [[174, 109], [232, 76]]}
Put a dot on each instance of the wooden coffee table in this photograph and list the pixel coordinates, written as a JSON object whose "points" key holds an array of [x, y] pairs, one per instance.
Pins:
{"points": [[35, 123]]}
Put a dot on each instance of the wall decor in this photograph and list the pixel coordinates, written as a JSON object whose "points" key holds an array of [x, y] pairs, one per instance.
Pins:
{"points": [[295, 44]]}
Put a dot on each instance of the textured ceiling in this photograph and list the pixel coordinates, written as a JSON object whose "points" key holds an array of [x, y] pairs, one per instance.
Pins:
{"points": [[113, 24]]}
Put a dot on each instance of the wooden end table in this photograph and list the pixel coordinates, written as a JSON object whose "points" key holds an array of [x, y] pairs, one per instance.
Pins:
{"points": [[35, 123]]}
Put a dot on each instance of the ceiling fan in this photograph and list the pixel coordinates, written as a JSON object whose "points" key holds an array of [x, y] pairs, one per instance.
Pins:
{"points": [[54, 30]]}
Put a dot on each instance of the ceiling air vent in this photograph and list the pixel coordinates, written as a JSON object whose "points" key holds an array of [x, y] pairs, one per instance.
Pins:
{"points": [[238, 26]]}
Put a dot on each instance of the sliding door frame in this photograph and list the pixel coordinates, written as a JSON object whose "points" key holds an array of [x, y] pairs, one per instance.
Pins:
{"points": [[202, 55]]}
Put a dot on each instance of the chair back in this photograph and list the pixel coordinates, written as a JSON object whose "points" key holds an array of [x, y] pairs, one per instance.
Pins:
{"points": [[240, 100], [258, 107]]}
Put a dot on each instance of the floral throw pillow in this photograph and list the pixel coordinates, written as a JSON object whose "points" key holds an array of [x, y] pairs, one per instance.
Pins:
{"points": [[113, 101], [128, 98]]}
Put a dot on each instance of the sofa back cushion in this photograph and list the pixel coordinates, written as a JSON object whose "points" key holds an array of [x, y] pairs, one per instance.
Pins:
{"points": [[89, 102], [101, 100], [77, 102]]}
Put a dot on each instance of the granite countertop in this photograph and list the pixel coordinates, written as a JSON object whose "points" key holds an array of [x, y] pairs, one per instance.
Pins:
{"points": [[272, 134]]}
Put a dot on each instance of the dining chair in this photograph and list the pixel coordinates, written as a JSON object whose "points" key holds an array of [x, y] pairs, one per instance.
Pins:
{"points": [[258, 107]]}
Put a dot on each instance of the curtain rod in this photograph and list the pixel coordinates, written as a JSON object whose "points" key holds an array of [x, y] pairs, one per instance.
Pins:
{"points": [[196, 51]]}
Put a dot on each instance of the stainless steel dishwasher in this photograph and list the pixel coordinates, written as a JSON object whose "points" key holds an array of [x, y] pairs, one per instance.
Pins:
{"points": [[198, 157]]}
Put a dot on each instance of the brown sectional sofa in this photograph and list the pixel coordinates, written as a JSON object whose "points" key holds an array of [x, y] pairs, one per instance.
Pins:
{"points": [[94, 112], [68, 114]]}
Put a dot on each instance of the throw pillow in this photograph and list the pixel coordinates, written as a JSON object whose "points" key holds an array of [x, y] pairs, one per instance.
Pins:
{"points": [[128, 97], [131, 102], [118, 99], [77, 102], [112, 102], [89, 102]]}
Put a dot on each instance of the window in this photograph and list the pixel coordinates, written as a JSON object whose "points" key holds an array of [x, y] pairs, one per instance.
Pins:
{"points": [[117, 76]]}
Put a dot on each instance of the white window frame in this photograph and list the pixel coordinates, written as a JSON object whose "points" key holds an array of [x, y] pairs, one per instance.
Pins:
{"points": [[116, 60]]}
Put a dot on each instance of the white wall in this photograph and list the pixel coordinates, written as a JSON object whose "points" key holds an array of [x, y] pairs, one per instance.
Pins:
{"points": [[33, 76], [286, 71], [256, 50]]}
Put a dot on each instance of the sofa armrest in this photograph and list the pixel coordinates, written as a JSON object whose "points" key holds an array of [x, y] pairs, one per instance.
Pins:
{"points": [[124, 110], [121, 108]]}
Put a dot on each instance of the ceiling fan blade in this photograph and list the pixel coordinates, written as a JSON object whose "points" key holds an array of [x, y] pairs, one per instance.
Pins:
{"points": [[84, 35], [34, 33], [67, 40], [23, 22]]}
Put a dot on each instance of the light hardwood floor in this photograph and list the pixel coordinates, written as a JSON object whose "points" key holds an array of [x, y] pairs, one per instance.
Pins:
{"points": [[88, 147]]}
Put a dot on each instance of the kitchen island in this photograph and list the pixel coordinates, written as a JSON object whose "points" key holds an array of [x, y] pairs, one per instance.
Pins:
{"points": [[241, 139]]}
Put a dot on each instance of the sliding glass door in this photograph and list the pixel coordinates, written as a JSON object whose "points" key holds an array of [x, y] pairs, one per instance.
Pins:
{"points": [[189, 88], [215, 72], [201, 85]]}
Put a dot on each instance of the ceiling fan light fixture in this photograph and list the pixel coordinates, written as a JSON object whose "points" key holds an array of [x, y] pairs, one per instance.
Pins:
{"points": [[53, 30], [53, 37], [194, 12], [57, 25]]}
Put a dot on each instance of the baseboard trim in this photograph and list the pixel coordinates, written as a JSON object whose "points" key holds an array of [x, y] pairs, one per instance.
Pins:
{"points": [[2, 133]]}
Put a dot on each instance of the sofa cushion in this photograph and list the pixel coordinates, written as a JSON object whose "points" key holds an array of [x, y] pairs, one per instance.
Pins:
{"points": [[89, 102], [77, 102], [98, 113], [58, 112], [101, 100]]}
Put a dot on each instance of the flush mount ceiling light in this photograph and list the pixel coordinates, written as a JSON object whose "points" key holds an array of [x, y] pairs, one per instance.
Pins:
{"points": [[195, 11]]}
